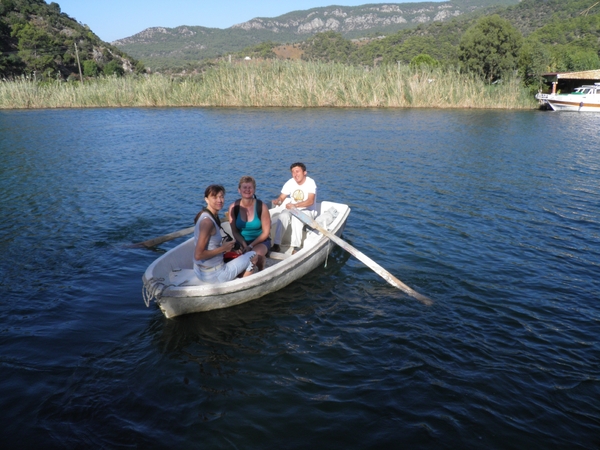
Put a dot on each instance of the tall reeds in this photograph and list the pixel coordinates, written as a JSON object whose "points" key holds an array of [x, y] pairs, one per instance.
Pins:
{"points": [[275, 83]]}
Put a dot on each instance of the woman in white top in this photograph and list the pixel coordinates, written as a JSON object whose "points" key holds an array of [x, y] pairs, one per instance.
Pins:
{"points": [[209, 265]]}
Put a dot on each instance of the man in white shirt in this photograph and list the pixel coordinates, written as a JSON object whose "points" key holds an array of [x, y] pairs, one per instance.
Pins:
{"points": [[302, 191]]}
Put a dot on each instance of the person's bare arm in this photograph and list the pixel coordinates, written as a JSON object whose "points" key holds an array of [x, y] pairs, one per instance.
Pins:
{"points": [[279, 200], [200, 252]]}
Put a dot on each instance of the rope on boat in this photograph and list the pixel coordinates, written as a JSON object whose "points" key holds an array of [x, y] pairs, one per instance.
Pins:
{"points": [[152, 290]]}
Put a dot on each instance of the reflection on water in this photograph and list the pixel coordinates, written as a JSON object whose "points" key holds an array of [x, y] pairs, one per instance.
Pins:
{"points": [[492, 214]]}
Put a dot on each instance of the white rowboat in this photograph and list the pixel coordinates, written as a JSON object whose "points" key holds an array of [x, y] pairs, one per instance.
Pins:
{"points": [[171, 282]]}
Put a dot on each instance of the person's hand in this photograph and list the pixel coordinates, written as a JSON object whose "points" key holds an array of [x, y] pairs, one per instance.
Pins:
{"points": [[228, 246]]}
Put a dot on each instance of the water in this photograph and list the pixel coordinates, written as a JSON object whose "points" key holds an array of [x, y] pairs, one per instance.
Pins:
{"points": [[492, 214]]}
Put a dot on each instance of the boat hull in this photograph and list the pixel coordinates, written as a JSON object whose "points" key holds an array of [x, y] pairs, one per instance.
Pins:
{"points": [[573, 105], [585, 98], [171, 282]]}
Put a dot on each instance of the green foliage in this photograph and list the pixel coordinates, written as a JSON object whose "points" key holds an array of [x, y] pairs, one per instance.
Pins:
{"points": [[490, 47], [181, 47], [54, 8], [531, 15], [37, 49], [571, 44], [37, 38], [412, 46], [568, 59], [423, 60], [113, 68], [139, 67], [584, 60], [329, 46], [90, 68], [263, 50], [558, 26], [439, 40], [534, 61]]}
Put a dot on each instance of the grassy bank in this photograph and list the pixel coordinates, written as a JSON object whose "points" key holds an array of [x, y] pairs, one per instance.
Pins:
{"points": [[275, 83]]}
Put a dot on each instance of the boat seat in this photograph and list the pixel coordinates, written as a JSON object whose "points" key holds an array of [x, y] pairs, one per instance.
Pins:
{"points": [[278, 256], [183, 277]]}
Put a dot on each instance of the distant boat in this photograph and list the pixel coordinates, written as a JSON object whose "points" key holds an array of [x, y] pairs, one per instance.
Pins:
{"points": [[583, 99], [171, 282]]}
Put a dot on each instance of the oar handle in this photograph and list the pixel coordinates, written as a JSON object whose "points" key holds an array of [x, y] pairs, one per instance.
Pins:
{"points": [[159, 240]]}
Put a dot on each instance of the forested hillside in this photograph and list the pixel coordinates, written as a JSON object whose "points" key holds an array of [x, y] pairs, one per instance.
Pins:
{"points": [[568, 30], [174, 48], [38, 39], [535, 37]]}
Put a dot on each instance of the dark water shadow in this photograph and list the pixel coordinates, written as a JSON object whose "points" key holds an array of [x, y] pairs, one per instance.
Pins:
{"points": [[226, 326]]}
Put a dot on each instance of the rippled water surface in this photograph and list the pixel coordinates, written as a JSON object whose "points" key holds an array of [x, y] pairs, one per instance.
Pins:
{"points": [[494, 215]]}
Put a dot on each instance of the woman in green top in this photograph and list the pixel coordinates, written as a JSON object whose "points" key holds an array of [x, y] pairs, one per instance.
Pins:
{"points": [[250, 221]]}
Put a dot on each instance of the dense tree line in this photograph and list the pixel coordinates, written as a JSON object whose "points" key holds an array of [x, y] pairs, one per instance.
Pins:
{"points": [[38, 39], [490, 45], [490, 48]]}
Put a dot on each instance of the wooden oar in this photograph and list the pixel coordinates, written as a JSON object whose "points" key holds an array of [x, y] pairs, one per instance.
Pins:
{"points": [[159, 240], [361, 257]]}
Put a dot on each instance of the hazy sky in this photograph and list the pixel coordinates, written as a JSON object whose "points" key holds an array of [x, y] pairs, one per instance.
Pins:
{"points": [[117, 19]]}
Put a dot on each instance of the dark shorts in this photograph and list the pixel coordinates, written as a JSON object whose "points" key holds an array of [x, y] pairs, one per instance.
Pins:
{"points": [[266, 243]]}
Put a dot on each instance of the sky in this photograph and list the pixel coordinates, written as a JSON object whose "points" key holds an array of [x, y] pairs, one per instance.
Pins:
{"points": [[117, 19]]}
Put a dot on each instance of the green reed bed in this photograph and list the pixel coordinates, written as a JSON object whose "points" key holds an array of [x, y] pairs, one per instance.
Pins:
{"points": [[275, 83]]}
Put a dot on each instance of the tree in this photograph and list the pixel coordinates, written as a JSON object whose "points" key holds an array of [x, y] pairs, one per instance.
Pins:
{"points": [[534, 60], [37, 37], [37, 49], [581, 59], [263, 50], [423, 60], [90, 68], [328, 46], [490, 47], [54, 7], [139, 67], [113, 68], [412, 47]]}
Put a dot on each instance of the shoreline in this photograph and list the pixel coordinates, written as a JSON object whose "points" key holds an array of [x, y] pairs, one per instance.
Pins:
{"points": [[285, 84], [37, 108]]}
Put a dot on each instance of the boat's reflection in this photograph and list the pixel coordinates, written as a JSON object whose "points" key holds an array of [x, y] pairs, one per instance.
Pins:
{"points": [[210, 336]]}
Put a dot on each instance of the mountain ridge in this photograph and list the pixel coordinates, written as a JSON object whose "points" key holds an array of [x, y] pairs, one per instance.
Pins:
{"points": [[159, 46]]}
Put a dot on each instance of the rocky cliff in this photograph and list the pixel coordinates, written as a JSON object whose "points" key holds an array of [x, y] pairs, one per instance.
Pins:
{"points": [[349, 20]]}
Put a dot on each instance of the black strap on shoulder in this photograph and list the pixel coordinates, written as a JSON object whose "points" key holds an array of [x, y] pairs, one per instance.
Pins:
{"points": [[216, 219], [236, 208]]}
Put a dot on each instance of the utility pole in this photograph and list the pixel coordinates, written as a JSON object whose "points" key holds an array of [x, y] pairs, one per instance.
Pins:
{"points": [[78, 65]]}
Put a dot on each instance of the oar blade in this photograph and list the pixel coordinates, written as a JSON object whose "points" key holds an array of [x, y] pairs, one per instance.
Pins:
{"points": [[391, 279]]}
